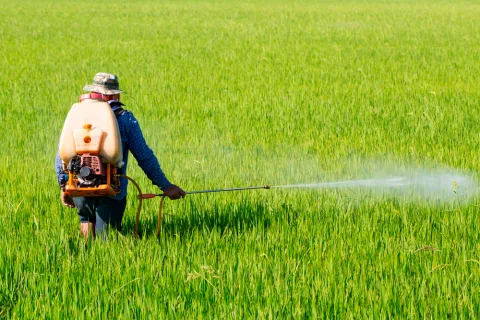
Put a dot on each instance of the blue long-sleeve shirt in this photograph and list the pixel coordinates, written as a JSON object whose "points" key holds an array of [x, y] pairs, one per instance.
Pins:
{"points": [[133, 141]]}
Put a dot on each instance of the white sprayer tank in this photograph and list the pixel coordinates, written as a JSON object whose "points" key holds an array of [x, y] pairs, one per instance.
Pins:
{"points": [[91, 127]]}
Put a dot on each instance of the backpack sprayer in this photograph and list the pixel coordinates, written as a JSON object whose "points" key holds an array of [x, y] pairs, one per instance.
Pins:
{"points": [[90, 148]]}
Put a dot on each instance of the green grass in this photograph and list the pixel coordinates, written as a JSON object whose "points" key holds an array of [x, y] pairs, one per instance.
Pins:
{"points": [[234, 94]]}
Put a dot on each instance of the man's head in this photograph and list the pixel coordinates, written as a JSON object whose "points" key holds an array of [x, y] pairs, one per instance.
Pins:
{"points": [[104, 83]]}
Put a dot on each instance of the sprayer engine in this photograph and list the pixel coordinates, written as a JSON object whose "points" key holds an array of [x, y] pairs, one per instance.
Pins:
{"points": [[89, 177], [88, 170]]}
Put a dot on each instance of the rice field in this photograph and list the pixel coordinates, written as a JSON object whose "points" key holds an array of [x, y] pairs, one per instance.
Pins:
{"points": [[242, 93]]}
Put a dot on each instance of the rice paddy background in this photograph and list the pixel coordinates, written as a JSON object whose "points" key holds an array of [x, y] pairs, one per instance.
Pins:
{"points": [[246, 93]]}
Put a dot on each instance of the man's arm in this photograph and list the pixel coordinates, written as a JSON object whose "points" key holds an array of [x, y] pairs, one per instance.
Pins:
{"points": [[62, 178], [147, 160]]}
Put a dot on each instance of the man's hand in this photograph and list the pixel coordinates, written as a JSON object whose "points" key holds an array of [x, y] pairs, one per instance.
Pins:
{"points": [[67, 200], [174, 192]]}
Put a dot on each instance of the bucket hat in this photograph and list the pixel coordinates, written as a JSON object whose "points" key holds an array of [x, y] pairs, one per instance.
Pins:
{"points": [[105, 83]]}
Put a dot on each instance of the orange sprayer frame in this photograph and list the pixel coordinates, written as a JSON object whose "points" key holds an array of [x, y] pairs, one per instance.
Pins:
{"points": [[102, 190]]}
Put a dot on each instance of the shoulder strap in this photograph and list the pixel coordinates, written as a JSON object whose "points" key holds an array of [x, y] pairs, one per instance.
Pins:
{"points": [[118, 111], [117, 108]]}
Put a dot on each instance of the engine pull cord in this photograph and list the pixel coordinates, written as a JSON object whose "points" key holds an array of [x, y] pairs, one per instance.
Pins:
{"points": [[140, 198]]}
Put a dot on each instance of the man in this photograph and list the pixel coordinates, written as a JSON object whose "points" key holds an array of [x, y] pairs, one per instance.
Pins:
{"points": [[96, 213]]}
